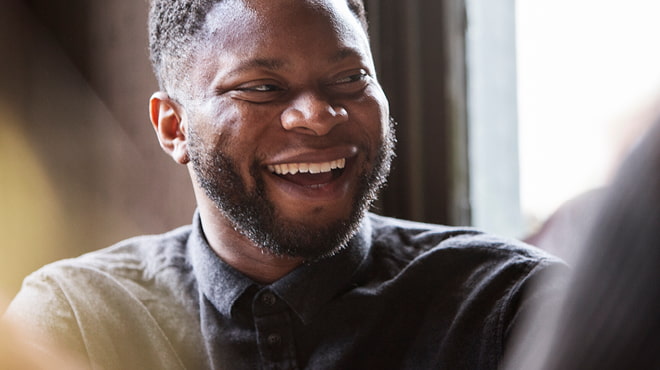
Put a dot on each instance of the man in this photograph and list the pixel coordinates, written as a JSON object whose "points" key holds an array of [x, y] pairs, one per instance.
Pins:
{"points": [[275, 109]]}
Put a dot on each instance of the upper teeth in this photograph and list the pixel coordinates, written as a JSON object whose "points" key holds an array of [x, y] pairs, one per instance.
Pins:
{"points": [[294, 168]]}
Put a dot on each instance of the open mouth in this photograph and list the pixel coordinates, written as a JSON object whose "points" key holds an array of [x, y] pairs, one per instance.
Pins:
{"points": [[310, 174]]}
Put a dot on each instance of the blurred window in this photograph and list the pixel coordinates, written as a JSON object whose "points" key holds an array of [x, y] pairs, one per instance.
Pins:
{"points": [[585, 69]]}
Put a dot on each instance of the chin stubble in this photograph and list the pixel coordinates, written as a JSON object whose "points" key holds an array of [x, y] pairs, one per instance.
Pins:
{"points": [[253, 215]]}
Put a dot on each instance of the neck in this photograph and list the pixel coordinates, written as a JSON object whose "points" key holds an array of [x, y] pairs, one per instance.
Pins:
{"points": [[241, 253]]}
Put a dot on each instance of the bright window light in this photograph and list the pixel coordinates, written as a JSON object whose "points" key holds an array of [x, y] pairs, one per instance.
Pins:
{"points": [[585, 67]]}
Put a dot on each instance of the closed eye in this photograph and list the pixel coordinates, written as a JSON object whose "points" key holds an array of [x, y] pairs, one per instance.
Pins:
{"points": [[257, 92], [350, 83], [260, 88], [357, 77]]}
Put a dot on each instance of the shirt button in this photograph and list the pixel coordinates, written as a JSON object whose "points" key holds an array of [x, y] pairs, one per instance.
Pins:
{"points": [[269, 298], [274, 339]]}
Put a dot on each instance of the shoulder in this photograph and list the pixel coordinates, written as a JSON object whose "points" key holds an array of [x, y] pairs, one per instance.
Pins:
{"points": [[477, 283], [112, 273], [140, 257], [459, 259], [417, 239], [133, 293]]}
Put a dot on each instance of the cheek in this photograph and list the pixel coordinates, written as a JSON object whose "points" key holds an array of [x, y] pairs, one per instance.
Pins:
{"points": [[372, 111], [218, 117], [244, 120], [239, 131], [228, 125]]}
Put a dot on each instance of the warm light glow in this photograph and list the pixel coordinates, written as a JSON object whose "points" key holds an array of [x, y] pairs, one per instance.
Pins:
{"points": [[30, 217]]}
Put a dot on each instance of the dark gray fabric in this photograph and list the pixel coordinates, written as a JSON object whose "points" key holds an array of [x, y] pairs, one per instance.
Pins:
{"points": [[403, 295]]}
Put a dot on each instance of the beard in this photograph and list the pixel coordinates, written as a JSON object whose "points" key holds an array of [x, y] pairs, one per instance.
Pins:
{"points": [[253, 215]]}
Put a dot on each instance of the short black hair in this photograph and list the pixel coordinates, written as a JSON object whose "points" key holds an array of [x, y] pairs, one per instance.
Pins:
{"points": [[173, 26]]}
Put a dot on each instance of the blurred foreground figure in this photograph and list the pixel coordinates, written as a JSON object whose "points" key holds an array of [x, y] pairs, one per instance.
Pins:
{"points": [[275, 109], [611, 316], [19, 350]]}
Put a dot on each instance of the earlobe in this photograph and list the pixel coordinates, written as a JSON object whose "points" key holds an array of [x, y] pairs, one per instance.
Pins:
{"points": [[167, 119]]}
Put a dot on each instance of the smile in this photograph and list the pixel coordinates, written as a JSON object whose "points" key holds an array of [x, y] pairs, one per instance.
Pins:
{"points": [[313, 168]]}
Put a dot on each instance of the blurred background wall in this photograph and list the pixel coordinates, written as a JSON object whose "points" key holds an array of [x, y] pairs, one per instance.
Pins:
{"points": [[80, 167]]}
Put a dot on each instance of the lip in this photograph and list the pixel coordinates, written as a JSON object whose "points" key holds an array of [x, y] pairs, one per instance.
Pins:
{"points": [[319, 194], [307, 155]]}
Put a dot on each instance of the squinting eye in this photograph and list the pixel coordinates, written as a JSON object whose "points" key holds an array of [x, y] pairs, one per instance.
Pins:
{"points": [[261, 88], [257, 92], [352, 78], [350, 83]]}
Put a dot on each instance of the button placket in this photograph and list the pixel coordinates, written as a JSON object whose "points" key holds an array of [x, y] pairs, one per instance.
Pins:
{"points": [[272, 322]]}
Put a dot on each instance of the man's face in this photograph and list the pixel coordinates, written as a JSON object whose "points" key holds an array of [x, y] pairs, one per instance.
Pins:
{"points": [[288, 129]]}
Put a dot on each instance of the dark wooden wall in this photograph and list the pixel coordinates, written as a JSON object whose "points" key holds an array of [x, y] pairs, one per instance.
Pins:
{"points": [[86, 170], [419, 47]]}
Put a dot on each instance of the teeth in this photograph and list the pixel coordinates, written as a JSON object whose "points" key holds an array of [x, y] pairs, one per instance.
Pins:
{"points": [[294, 168]]}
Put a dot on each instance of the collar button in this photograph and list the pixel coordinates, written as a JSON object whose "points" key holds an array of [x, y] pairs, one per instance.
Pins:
{"points": [[268, 299]]}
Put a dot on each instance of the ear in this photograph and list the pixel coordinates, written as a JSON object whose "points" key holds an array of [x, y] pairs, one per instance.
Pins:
{"points": [[167, 118]]}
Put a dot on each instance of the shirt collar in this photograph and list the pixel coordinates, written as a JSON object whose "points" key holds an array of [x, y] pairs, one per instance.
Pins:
{"points": [[306, 289], [220, 283], [310, 287]]}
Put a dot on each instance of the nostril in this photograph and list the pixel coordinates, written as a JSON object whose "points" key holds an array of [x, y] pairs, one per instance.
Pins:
{"points": [[339, 112], [291, 118], [316, 120]]}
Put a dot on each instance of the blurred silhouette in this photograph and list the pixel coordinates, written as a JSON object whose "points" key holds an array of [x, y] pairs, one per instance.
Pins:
{"points": [[610, 317], [563, 232], [21, 350]]}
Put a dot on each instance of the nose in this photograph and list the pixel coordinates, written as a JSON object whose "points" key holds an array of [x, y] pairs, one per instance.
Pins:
{"points": [[311, 114]]}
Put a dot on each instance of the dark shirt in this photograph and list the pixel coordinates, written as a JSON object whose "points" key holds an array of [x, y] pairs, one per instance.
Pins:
{"points": [[402, 295]]}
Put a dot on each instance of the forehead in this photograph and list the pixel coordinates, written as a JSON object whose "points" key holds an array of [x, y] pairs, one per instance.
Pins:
{"points": [[265, 10], [249, 25]]}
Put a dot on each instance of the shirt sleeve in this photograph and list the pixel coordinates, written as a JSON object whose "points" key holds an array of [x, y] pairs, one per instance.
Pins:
{"points": [[105, 318], [42, 309]]}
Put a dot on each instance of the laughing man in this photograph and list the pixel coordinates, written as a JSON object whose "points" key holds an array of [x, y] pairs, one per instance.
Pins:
{"points": [[275, 109]]}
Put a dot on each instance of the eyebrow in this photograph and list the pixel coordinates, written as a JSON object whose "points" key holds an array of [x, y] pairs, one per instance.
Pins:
{"points": [[278, 64], [345, 53], [270, 64]]}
